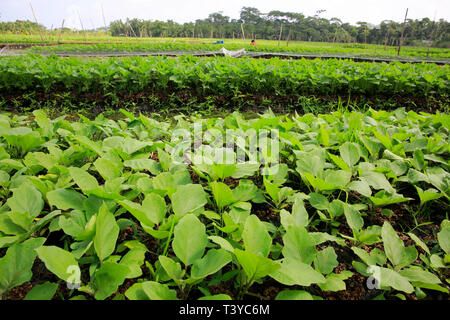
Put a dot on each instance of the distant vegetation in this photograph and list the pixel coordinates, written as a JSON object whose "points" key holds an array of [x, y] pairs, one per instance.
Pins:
{"points": [[270, 26]]}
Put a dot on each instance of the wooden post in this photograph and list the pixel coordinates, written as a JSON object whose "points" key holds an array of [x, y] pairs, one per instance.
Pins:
{"points": [[243, 33], [82, 27], [128, 23], [104, 21], [288, 37], [403, 33], [35, 19], [279, 37], [233, 35], [60, 31]]}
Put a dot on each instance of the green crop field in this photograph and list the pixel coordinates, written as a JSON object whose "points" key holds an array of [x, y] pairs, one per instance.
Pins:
{"points": [[122, 209], [104, 44], [219, 178], [228, 82]]}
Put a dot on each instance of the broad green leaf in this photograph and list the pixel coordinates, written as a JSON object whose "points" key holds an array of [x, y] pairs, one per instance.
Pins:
{"points": [[353, 217], [349, 153], [326, 260], [294, 272], [60, 262], [377, 181], [155, 207], [83, 179], [213, 261], [419, 242], [158, 291], [16, 264], [318, 201], [393, 245], [245, 191], [428, 195], [190, 239], [223, 195], [107, 168], [8, 226], [87, 143], [66, 199], [444, 239], [339, 178], [418, 160], [106, 233], [390, 278], [130, 145], [108, 279], [223, 243], [254, 265], [138, 211], [26, 199], [134, 259], [335, 281], [419, 275], [135, 292], [299, 213], [299, 245], [44, 291], [382, 198], [256, 237], [172, 268], [294, 295], [188, 198], [152, 211], [339, 162], [360, 186], [144, 164]]}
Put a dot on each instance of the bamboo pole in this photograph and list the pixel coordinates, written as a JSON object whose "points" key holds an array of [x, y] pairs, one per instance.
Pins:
{"points": [[104, 20], [60, 31], [82, 26], [243, 33], [279, 37], [288, 37], [35, 19], [131, 28], [403, 33]]}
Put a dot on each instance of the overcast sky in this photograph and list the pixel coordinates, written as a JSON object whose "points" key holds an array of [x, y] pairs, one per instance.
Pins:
{"points": [[52, 12]]}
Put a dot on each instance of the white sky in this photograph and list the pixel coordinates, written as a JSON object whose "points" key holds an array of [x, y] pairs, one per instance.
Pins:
{"points": [[52, 12]]}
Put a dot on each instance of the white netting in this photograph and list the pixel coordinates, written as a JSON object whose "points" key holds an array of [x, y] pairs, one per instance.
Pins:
{"points": [[234, 54]]}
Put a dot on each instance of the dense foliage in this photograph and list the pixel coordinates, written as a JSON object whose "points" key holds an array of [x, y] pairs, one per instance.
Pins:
{"points": [[223, 77], [296, 26], [106, 205]]}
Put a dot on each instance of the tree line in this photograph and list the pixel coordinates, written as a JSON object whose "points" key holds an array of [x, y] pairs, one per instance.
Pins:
{"points": [[275, 25]]}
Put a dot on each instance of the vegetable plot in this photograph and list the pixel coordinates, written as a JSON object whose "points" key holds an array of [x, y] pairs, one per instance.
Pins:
{"points": [[229, 79], [266, 46], [355, 208]]}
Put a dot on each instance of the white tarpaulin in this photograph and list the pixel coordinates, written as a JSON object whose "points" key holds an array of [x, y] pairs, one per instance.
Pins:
{"points": [[234, 54]]}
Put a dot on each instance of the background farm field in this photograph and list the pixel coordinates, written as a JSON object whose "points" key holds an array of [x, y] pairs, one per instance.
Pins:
{"points": [[105, 45], [113, 208]]}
